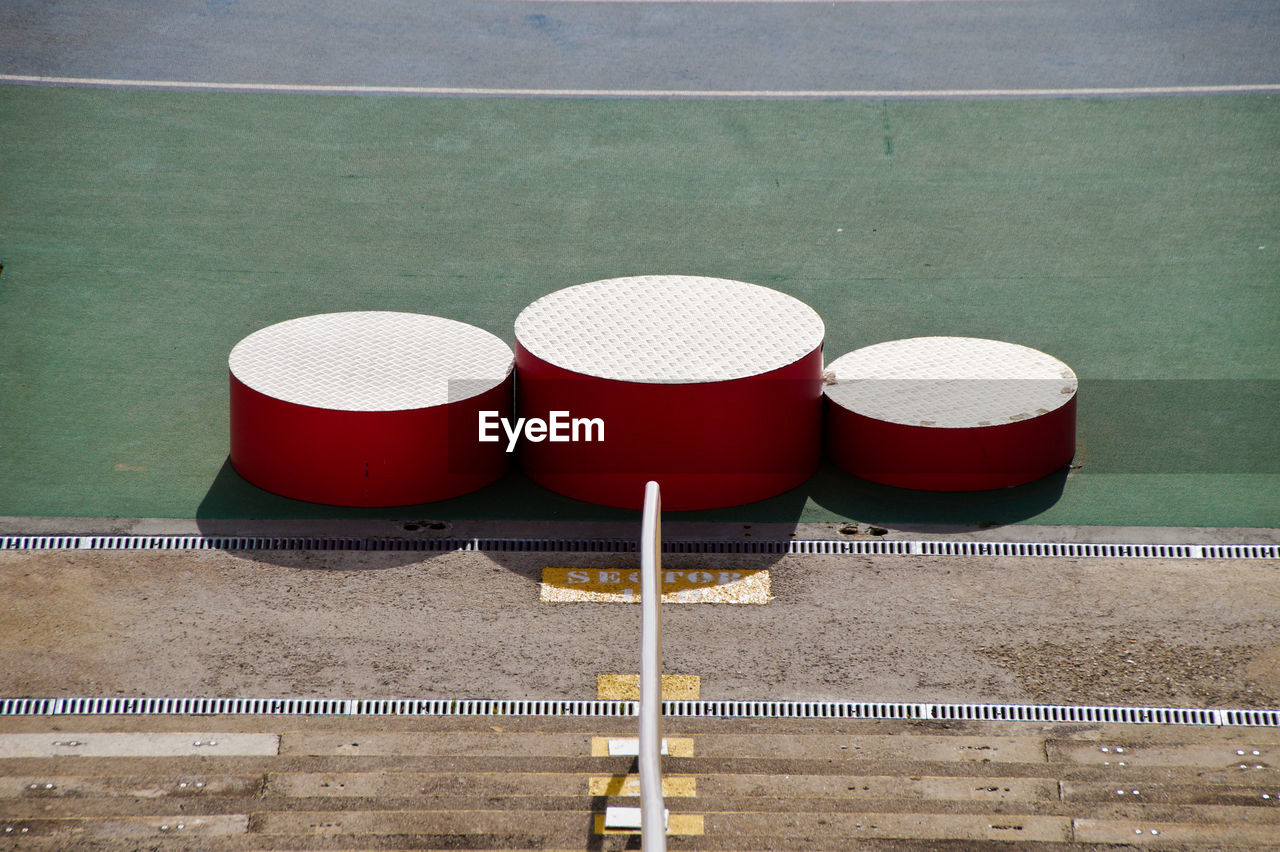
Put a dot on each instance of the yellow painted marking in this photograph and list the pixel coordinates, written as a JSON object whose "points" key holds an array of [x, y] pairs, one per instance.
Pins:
{"points": [[676, 746], [626, 687], [673, 786], [684, 824], [619, 585]]}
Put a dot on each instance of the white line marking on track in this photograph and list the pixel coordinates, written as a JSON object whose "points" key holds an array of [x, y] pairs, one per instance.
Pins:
{"points": [[811, 2], [784, 94]]}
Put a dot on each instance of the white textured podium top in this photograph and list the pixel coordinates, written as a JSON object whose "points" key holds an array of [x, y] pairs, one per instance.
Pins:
{"points": [[949, 382], [371, 361], [669, 329]]}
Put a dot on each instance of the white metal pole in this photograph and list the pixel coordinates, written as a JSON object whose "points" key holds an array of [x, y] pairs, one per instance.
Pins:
{"points": [[653, 823]]}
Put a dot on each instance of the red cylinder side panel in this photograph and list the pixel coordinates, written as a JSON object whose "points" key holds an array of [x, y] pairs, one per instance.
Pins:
{"points": [[709, 444], [365, 458], [951, 459]]}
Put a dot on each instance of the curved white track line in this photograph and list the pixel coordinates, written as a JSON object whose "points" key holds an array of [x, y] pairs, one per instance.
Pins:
{"points": [[788, 94]]}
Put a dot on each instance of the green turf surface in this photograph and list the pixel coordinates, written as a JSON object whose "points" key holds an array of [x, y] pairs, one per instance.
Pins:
{"points": [[143, 234]]}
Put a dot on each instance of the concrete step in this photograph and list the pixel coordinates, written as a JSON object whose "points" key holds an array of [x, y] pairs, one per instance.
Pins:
{"points": [[49, 794], [582, 829], [226, 785]]}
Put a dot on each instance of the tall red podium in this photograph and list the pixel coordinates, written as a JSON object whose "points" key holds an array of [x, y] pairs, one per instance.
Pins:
{"points": [[711, 387]]}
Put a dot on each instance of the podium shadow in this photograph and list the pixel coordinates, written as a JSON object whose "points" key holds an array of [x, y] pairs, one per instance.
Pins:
{"points": [[234, 507], [938, 512]]}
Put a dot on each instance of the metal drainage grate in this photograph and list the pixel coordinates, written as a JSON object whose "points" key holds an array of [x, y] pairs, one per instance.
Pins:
{"points": [[618, 545], [710, 709]]}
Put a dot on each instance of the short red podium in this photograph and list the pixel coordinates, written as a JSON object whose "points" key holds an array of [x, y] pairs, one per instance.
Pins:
{"points": [[713, 388], [371, 408], [950, 413]]}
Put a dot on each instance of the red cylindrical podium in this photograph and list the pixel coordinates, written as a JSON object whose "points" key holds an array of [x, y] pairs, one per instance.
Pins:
{"points": [[369, 408], [711, 387], [950, 413]]}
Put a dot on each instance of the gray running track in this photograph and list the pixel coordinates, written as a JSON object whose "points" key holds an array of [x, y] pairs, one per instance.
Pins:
{"points": [[917, 44]]}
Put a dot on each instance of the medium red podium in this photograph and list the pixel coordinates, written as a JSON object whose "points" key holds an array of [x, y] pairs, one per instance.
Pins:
{"points": [[950, 413], [370, 408], [711, 387]]}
